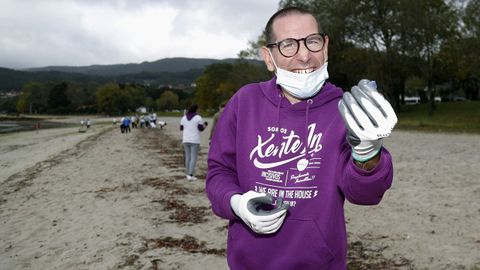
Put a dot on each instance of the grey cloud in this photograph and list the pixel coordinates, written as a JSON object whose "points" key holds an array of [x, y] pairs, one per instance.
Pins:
{"points": [[40, 32]]}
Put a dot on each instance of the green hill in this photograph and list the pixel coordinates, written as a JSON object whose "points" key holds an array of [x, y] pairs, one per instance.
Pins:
{"points": [[173, 65], [14, 79], [168, 71]]}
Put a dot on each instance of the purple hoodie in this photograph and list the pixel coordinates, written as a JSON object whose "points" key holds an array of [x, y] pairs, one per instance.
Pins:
{"points": [[259, 144]]}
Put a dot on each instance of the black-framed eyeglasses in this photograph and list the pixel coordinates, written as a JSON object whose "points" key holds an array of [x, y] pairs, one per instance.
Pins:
{"points": [[289, 47]]}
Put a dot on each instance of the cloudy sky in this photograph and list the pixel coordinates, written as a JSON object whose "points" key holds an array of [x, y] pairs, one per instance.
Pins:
{"points": [[37, 33]]}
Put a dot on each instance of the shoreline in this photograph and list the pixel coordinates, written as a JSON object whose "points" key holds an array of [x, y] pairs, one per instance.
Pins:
{"points": [[13, 124], [28, 125]]}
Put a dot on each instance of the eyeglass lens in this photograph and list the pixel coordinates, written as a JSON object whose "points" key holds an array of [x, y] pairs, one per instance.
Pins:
{"points": [[289, 47]]}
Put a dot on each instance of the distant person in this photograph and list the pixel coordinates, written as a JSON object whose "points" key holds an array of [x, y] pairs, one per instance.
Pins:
{"points": [[88, 123], [122, 127], [137, 121], [82, 122], [147, 121], [215, 119], [114, 121], [191, 125], [134, 122], [161, 124], [126, 124], [154, 119]]}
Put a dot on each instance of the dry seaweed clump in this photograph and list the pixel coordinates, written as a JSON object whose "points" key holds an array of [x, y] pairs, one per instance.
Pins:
{"points": [[182, 213], [363, 258], [188, 244]]}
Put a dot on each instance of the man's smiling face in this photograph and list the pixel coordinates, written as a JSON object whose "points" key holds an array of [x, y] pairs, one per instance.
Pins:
{"points": [[295, 25]]}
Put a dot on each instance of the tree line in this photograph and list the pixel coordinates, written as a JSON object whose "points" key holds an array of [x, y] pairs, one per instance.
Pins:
{"points": [[109, 98], [217, 84]]}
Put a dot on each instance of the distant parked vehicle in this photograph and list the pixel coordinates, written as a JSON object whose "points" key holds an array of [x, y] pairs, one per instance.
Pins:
{"points": [[458, 98], [412, 100], [438, 99]]}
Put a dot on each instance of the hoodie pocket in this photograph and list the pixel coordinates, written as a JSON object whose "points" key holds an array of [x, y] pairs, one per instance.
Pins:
{"points": [[299, 244]]}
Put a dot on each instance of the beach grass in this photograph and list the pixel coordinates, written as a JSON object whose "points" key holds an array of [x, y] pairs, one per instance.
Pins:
{"points": [[462, 117], [169, 114]]}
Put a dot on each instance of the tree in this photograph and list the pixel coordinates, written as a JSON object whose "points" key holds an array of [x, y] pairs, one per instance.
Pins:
{"points": [[23, 102], [377, 26], [8, 104], [220, 81], [108, 99], [167, 101], [242, 73], [206, 92], [470, 42], [58, 101], [430, 23], [135, 96], [150, 104], [82, 97], [33, 98], [471, 19], [116, 99]]}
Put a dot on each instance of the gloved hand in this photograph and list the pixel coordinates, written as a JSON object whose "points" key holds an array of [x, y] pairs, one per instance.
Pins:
{"points": [[368, 117], [249, 206]]}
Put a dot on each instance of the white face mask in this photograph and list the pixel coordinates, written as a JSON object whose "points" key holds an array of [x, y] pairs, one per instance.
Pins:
{"points": [[301, 86]]}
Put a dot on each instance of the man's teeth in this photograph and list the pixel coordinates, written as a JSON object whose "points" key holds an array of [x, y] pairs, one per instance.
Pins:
{"points": [[303, 71]]}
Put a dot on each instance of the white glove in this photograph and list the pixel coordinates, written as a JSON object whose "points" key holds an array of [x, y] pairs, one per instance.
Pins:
{"points": [[368, 117], [249, 206]]}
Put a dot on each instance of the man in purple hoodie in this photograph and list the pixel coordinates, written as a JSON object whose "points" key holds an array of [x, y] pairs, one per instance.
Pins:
{"points": [[287, 152]]}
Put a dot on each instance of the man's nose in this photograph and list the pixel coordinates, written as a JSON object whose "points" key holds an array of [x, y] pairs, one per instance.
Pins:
{"points": [[303, 53]]}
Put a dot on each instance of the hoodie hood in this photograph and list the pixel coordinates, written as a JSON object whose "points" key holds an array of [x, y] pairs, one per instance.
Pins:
{"points": [[273, 92], [190, 115]]}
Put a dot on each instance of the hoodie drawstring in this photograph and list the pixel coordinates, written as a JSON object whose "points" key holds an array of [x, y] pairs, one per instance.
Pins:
{"points": [[277, 138], [309, 102], [278, 109]]}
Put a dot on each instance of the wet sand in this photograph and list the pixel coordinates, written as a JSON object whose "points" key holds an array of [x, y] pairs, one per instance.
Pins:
{"points": [[106, 200]]}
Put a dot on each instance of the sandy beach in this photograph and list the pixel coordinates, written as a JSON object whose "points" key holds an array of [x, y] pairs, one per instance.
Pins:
{"points": [[106, 200]]}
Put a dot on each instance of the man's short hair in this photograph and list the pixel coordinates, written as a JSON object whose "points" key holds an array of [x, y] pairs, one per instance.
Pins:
{"points": [[269, 37]]}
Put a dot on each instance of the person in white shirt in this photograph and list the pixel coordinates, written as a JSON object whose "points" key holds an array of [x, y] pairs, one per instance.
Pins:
{"points": [[191, 125], [154, 118]]}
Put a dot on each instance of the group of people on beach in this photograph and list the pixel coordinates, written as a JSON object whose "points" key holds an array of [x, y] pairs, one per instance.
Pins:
{"points": [[127, 123]]}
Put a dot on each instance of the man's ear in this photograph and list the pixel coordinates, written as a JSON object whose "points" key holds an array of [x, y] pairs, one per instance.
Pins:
{"points": [[326, 49], [267, 58]]}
